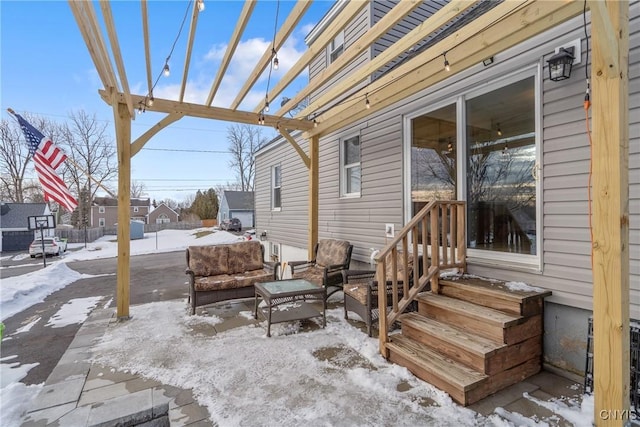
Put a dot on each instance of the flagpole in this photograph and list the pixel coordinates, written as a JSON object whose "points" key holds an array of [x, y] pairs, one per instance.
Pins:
{"points": [[99, 183]]}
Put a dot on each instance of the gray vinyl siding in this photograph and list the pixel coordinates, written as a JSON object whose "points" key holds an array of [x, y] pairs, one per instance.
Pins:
{"points": [[352, 32], [289, 224], [566, 248]]}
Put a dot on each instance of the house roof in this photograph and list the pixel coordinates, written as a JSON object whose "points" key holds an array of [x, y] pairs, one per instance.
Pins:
{"points": [[110, 201], [14, 215], [161, 206], [239, 200]]}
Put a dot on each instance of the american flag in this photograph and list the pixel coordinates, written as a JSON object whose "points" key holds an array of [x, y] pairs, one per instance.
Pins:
{"points": [[47, 157]]}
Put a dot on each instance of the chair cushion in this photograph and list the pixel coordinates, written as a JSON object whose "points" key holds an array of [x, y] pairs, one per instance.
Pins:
{"points": [[357, 291], [314, 275], [215, 283], [332, 252], [399, 258], [208, 260], [248, 278], [245, 256]]}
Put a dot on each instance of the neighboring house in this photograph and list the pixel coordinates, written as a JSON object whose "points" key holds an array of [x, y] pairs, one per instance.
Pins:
{"points": [[104, 211], [162, 214], [14, 229], [237, 204], [501, 136]]}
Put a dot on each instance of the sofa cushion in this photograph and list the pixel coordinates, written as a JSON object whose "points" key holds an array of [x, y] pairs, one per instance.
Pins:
{"points": [[248, 278], [357, 291], [245, 256], [209, 260], [215, 283], [332, 252]]}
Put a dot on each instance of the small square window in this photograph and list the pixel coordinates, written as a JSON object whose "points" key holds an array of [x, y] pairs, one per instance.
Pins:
{"points": [[276, 190], [135, 209], [350, 170], [101, 209], [101, 222]]}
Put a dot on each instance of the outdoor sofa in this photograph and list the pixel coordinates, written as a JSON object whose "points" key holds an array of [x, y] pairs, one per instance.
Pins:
{"points": [[225, 272]]}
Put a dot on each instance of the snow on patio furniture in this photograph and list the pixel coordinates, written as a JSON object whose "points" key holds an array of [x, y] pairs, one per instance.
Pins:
{"points": [[224, 272], [325, 269], [361, 289]]}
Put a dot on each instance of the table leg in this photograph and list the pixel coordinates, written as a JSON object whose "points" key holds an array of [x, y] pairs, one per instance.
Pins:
{"points": [[255, 309], [269, 320], [324, 310]]}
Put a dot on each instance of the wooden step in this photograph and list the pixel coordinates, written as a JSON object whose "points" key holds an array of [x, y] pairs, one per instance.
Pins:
{"points": [[482, 354], [463, 384], [434, 368], [494, 294], [486, 322]]}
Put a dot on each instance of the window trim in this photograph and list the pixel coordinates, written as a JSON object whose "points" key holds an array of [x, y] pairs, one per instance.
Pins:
{"points": [[101, 222], [136, 209], [101, 209], [277, 167], [344, 167]]}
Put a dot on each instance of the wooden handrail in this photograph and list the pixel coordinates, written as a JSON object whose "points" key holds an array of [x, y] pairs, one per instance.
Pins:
{"points": [[437, 233]]}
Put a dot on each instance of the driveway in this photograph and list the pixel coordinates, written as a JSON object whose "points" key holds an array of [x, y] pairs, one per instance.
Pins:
{"points": [[154, 277]]}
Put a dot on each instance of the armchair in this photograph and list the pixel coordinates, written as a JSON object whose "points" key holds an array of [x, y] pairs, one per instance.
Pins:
{"points": [[361, 291], [331, 257]]}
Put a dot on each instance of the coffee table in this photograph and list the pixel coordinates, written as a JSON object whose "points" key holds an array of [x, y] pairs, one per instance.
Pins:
{"points": [[296, 293]]}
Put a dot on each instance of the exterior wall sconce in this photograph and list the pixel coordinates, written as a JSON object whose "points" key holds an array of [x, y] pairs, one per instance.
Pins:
{"points": [[263, 236], [560, 64]]}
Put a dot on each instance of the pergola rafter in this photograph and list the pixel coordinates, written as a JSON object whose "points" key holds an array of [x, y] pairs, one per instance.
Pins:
{"points": [[476, 40]]}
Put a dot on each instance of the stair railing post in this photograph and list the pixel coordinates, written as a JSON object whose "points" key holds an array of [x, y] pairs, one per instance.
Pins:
{"points": [[383, 335], [435, 247]]}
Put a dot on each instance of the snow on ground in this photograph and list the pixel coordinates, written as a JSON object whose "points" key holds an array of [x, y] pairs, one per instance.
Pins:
{"points": [[238, 372]]}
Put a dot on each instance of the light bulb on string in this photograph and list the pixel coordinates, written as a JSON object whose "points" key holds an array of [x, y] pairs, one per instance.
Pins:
{"points": [[367, 104], [150, 101], [165, 70], [499, 130], [447, 66], [266, 105], [315, 123], [200, 5]]}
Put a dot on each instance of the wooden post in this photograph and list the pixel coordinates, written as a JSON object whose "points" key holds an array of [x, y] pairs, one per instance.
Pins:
{"points": [[610, 204], [314, 151], [123, 137]]}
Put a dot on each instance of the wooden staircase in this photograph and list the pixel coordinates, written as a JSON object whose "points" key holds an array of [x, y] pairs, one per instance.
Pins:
{"points": [[472, 338]]}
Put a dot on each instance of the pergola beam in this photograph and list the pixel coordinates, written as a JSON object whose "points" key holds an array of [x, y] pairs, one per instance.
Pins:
{"points": [[82, 11], [292, 20], [336, 25], [147, 49], [243, 20], [117, 54], [215, 113], [424, 72], [187, 57], [139, 143], [610, 207], [388, 21], [286, 135], [437, 20]]}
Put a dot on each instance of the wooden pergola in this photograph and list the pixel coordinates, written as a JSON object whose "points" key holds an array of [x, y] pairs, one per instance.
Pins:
{"points": [[477, 40]]}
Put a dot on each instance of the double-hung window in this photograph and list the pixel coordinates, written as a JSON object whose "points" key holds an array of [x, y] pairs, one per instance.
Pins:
{"points": [[337, 47], [276, 188], [350, 171]]}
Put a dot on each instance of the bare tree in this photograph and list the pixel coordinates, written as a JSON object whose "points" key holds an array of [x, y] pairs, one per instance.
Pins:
{"points": [[244, 142], [138, 189], [90, 151]]}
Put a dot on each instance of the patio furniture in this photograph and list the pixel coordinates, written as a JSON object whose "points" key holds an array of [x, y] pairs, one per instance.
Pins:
{"points": [[361, 290], [224, 272], [325, 269], [294, 293]]}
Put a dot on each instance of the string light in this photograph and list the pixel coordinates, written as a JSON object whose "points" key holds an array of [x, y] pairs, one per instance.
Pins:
{"points": [[450, 146], [166, 70], [266, 104], [499, 130], [447, 66], [276, 63], [367, 104], [315, 123], [200, 5], [150, 101]]}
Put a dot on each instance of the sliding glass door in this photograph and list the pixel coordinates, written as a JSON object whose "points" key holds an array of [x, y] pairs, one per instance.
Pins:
{"points": [[481, 147]]}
